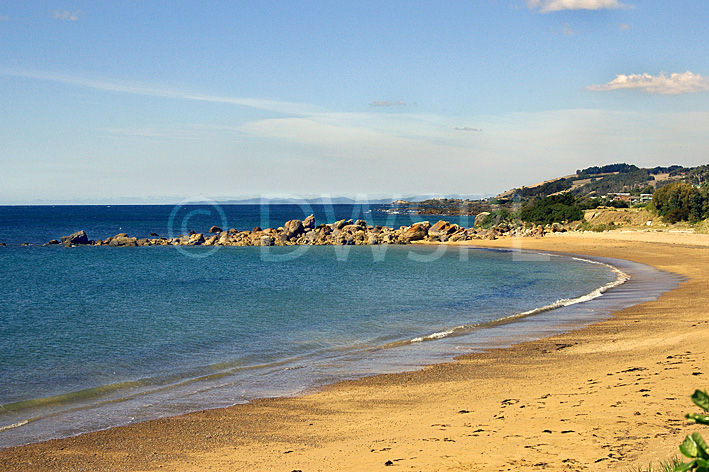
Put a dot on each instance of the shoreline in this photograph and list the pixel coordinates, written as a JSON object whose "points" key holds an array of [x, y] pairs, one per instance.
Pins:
{"points": [[340, 426], [409, 354]]}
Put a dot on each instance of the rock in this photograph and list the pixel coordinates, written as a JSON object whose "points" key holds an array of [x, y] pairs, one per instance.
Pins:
{"points": [[293, 228], [75, 239], [196, 239], [267, 240], [52, 242], [215, 229], [123, 240], [415, 232], [441, 227], [459, 236], [309, 223], [480, 217], [154, 235], [557, 228], [340, 224], [361, 223]]}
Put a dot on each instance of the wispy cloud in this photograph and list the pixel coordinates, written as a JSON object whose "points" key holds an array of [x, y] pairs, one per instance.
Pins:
{"points": [[674, 84], [388, 103], [4, 18], [546, 6], [157, 91], [623, 27], [65, 15], [468, 128]]}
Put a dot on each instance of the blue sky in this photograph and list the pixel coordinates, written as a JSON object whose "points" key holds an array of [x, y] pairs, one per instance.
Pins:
{"points": [[176, 100]]}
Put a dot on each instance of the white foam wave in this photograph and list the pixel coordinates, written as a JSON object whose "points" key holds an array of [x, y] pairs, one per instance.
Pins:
{"points": [[621, 278], [14, 425]]}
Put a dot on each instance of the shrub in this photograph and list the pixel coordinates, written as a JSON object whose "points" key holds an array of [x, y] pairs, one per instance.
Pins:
{"points": [[552, 209], [678, 201], [694, 446]]}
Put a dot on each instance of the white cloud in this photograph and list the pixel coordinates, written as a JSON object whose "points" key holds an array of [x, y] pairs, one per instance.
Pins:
{"points": [[674, 84], [4, 18], [158, 91], [65, 15], [546, 6], [624, 27]]}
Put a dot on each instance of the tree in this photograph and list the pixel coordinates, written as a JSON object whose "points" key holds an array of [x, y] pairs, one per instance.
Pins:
{"points": [[552, 209], [678, 201]]}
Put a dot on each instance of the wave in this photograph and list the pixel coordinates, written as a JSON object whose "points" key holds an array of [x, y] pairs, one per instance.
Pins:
{"points": [[621, 278], [14, 425]]}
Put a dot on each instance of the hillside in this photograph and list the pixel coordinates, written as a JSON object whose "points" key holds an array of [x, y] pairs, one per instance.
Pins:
{"points": [[610, 179], [601, 191]]}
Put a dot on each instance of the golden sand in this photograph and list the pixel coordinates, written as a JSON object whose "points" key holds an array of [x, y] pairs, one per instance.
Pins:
{"points": [[610, 396]]}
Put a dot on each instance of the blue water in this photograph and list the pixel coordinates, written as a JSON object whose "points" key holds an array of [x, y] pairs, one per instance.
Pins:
{"points": [[93, 337], [40, 224]]}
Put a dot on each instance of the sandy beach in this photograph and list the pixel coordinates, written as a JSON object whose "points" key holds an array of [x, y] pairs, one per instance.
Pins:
{"points": [[610, 396]]}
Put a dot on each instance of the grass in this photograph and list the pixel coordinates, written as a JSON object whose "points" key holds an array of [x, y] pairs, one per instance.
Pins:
{"points": [[664, 466]]}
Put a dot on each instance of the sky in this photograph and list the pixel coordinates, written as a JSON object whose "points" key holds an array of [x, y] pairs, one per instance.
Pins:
{"points": [[104, 101]]}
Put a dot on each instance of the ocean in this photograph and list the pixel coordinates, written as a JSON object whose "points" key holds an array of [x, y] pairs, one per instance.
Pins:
{"points": [[95, 337]]}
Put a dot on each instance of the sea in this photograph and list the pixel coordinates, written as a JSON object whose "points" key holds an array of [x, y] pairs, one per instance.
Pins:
{"points": [[97, 337]]}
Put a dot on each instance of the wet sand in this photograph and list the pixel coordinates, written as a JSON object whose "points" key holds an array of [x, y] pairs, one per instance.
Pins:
{"points": [[606, 397]]}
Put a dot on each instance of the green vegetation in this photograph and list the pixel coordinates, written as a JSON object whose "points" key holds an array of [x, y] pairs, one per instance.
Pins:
{"points": [[665, 466], [694, 446], [680, 201], [496, 217], [679, 194], [595, 170], [551, 209], [547, 188]]}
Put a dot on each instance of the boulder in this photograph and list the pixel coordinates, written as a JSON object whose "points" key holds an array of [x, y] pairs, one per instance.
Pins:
{"points": [[52, 242], [266, 240], [459, 236], [309, 223], [415, 232], [480, 217], [75, 239], [557, 228], [215, 229], [341, 224], [293, 228], [123, 241], [196, 239]]}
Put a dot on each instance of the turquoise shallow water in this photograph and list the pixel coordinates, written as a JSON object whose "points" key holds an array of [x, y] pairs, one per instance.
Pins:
{"points": [[93, 337]]}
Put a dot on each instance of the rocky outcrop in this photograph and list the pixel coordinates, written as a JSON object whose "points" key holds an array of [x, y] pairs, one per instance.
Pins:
{"points": [[342, 232], [77, 239], [416, 232]]}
